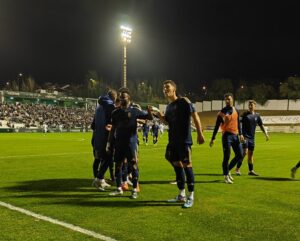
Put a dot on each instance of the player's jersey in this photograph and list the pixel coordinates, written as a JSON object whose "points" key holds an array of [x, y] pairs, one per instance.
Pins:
{"points": [[249, 122], [102, 117], [125, 124], [228, 118], [230, 121], [98, 126], [178, 116]]}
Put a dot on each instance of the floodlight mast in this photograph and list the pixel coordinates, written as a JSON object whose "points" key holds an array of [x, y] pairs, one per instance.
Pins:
{"points": [[126, 39]]}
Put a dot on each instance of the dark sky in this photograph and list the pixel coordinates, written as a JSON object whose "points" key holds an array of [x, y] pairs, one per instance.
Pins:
{"points": [[192, 42]]}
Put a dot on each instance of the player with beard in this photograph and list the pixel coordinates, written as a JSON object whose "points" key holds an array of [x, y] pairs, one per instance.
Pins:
{"points": [[124, 129]]}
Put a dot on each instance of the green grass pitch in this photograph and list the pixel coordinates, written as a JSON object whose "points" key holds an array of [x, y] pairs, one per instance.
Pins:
{"points": [[51, 174]]}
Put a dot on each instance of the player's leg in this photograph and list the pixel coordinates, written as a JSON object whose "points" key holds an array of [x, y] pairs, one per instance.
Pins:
{"points": [[173, 156], [226, 143], [133, 163], [119, 158], [190, 179], [250, 158], [245, 153], [294, 170]]}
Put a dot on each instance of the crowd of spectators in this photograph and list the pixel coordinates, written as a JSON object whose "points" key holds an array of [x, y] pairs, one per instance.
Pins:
{"points": [[40, 115]]}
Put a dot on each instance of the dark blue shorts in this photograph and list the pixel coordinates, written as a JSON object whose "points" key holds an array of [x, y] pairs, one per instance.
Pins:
{"points": [[175, 153], [249, 144], [128, 152]]}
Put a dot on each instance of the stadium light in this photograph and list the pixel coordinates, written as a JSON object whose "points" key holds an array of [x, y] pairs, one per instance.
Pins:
{"points": [[126, 39], [20, 78]]}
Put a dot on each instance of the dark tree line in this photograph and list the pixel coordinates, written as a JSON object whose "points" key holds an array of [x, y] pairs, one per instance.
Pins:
{"points": [[150, 91]]}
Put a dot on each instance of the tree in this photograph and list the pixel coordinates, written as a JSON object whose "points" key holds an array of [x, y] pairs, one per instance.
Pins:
{"points": [[30, 84], [93, 85], [290, 89], [262, 92], [243, 93], [218, 88]]}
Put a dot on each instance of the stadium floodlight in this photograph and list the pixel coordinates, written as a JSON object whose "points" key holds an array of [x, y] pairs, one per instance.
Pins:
{"points": [[126, 39]]}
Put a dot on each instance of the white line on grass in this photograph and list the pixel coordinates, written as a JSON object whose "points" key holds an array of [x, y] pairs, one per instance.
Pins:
{"points": [[43, 155], [55, 221]]}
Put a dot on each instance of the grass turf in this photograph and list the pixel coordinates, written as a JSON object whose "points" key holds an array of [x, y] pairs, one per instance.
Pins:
{"points": [[51, 174]]}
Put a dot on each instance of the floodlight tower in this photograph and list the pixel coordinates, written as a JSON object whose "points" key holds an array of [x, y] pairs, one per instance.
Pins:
{"points": [[126, 39]]}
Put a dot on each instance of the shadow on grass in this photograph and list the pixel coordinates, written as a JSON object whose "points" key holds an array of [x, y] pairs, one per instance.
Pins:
{"points": [[208, 174], [79, 192], [279, 179], [169, 182], [52, 185], [120, 201], [155, 182]]}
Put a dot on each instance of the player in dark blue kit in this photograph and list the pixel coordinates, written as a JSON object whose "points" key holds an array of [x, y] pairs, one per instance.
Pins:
{"points": [[155, 130], [178, 152], [145, 129], [100, 126], [124, 129], [250, 119]]}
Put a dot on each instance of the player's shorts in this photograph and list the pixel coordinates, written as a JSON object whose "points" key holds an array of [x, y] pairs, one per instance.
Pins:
{"points": [[128, 152], [145, 134], [249, 144], [175, 153]]}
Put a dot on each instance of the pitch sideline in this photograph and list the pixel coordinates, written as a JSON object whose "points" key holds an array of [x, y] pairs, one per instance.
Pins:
{"points": [[57, 222]]}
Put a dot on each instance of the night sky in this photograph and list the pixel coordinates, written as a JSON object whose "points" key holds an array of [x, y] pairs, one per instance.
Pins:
{"points": [[193, 42]]}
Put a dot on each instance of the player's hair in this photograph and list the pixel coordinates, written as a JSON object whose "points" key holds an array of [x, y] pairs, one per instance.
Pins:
{"points": [[124, 90], [112, 94], [252, 102], [228, 94], [171, 82]]}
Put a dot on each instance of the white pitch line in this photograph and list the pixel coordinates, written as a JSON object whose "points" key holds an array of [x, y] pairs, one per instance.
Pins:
{"points": [[43, 155], [57, 222]]}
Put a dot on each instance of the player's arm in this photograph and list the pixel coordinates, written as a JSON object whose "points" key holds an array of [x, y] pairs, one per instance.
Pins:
{"points": [[110, 140], [197, 122], [141, 121], [216, 129], [156, 112], [262, 127], [264, 130], [239, 124]]}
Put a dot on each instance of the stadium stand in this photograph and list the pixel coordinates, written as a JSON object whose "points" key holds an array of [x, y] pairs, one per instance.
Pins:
{"points": [[35, 116]]}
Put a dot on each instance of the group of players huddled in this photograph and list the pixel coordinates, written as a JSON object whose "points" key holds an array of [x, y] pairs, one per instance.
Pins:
{"points": [[115, 139]]}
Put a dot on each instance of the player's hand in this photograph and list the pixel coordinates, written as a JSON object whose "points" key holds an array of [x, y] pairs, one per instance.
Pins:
{"points": [[242, 139], [108, 127], [200, 139], [153, 109], [211, 143]]}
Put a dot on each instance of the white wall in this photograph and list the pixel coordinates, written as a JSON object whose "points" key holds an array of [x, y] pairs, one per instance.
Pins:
{"points": [[269, 105], [216, 105], [294, 105], [274, 105]]}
